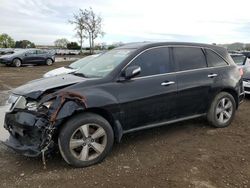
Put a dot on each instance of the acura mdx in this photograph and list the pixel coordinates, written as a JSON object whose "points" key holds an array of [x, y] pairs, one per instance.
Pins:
{"points": [[130, 88]]}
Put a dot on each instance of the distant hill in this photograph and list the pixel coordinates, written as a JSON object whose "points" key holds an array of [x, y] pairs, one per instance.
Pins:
{"points": [[236, 46]]}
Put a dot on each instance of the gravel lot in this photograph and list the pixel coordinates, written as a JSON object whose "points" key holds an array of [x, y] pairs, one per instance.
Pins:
{"points": [[188, 154]]}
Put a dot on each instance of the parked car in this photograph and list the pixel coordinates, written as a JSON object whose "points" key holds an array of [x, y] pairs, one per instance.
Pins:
{"points": [[130, 88], [243, 61], [28, 56], [5, 51], [73, 67], [246, 82]]}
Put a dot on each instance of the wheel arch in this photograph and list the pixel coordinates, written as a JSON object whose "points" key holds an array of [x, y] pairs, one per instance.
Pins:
{"points": [[233, 93], [50, 59], [114, 122], [17, 58]]}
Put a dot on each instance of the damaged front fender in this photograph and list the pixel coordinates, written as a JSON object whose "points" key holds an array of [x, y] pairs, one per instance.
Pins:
{"points": [[64, 105]]}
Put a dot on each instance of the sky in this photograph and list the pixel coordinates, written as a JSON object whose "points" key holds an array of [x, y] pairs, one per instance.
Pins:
{"points": [[213, 21]]}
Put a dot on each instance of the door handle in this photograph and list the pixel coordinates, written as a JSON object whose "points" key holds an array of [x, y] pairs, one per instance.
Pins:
{"points": [[167, 83], [212, 75]]}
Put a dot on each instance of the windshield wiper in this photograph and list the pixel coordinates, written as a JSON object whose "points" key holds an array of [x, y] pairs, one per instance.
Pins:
{"points": [[79, 74]]}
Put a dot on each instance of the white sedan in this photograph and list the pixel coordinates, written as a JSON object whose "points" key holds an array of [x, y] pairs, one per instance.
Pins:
{"points": [[73, 67]]}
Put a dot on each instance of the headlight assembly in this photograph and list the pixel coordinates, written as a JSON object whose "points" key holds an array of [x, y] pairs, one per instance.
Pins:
{"points": [[47, 104], [32, 106]]}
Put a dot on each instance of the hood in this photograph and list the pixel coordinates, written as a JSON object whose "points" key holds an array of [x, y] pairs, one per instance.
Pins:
{"points": [[36, 88], [7, 56], [59, 71]]}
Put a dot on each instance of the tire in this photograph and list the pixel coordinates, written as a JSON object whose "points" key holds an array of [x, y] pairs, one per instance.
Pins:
{"points": [[221, 113], [17, 62], [49, 62], [79, 150]]}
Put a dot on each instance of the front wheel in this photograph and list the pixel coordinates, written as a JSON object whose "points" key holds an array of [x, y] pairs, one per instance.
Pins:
{"points": [[222, 110], [85, 139], [17, 62]]}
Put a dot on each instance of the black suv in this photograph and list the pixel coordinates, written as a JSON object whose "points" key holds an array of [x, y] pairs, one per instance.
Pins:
{"points": [[130, 88]]}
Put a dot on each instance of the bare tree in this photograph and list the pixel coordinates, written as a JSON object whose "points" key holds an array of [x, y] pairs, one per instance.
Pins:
{"points": [[79, 27], [88, 25]]}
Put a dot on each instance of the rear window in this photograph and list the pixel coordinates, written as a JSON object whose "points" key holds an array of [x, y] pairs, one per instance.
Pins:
{"points": [[189, 58], [214, 60]]}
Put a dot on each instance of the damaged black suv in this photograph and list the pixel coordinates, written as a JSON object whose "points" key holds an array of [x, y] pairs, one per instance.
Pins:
{"points": [[130, 88]]}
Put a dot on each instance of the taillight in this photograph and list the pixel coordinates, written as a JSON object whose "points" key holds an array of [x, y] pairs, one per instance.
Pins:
{"points": [[241, 71]]}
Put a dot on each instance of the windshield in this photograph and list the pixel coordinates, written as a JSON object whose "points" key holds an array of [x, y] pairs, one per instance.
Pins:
{"points": [[239, 59], [81, 62], [105, 63]]}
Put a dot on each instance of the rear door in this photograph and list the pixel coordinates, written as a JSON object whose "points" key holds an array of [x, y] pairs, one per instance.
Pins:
{"points": [[220, 68], [151, 96], [41, 56], [194, 80]]}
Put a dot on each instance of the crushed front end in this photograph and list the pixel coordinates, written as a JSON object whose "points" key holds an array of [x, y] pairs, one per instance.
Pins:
{"points": [[33, 124]]}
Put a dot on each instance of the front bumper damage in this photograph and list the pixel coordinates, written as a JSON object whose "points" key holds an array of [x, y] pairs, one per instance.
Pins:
{"points": [[27, 132], [33, 133]]}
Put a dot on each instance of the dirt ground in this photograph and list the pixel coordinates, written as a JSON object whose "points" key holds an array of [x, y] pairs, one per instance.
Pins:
{"points": [[188, 154]]}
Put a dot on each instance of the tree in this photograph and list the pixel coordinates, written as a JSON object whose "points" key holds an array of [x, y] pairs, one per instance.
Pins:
{"points": [[79, 27], [88, 25], [24, 44], [73, 46], [61, 43], [111, 47], [6, 41]]}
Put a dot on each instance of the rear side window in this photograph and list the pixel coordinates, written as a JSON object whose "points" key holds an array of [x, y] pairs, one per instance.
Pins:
{"points": [[41, 52], [214, 60], [31, 52], [153, 62], [239, 59], [189, 58]]}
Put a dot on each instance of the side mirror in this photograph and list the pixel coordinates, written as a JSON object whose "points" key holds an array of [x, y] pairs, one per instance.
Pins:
{"points": [[131, 72]]}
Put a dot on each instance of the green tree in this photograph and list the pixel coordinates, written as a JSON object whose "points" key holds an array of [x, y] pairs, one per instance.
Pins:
{"points": [[111, 47], [6, 41], [24, 44], [73, 46], [61, 43]]}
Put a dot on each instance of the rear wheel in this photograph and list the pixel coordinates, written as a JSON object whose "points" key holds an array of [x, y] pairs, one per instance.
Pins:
{"points": [[86, 139], [222, 110], [17, 62], [49, 62]]}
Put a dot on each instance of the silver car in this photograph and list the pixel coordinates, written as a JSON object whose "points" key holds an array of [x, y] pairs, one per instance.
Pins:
{"points": [[243, 61]]}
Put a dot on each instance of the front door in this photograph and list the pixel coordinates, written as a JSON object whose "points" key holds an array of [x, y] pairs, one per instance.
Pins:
{"points": [[30, 56], [151, 96]]}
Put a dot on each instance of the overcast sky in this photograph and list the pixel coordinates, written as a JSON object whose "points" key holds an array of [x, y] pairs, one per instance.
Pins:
{"points": [[213, 21]]}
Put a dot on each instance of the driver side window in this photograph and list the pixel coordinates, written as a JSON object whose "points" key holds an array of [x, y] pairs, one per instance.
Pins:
{"points": [[153, 61]]}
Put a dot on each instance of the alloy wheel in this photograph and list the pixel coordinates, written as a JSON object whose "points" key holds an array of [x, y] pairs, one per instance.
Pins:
{"points": [[224, 110], [88, 142]]}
